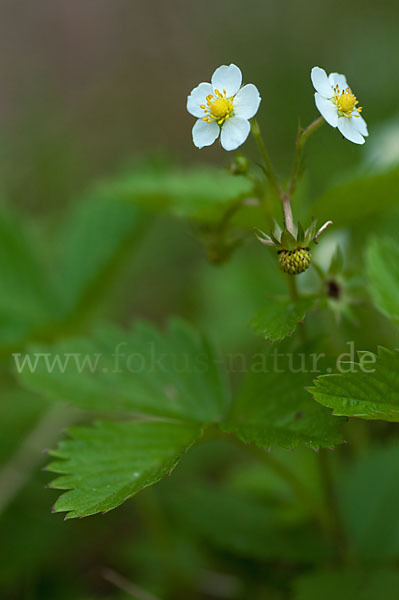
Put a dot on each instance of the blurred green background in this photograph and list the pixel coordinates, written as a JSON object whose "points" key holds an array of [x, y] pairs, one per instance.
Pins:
{"points": [[87, 88]]}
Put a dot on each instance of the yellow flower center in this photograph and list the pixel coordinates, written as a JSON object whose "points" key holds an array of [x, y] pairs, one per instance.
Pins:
{"points": [[346, 102], [218, 107]]}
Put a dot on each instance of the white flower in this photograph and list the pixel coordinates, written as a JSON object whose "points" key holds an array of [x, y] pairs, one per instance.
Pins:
{"points": [[224, 107], [338, 105]]}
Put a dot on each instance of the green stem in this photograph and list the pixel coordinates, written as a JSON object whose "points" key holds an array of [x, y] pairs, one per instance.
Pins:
{"points": [[288, 218], [336, 529], [123, 584], [159, 532], [292, 287], [302, 136], [301, 491], [266, 159], [294, 295]]}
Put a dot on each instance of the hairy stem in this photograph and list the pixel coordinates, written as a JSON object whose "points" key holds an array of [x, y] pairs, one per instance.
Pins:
{"points": [[302, 136], [265, 156], [294, 295], [288, 218]]}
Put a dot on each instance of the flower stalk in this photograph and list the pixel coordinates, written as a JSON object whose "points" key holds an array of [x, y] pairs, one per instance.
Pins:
{"points": [[288, 218], [255, 129], [301, 139]]}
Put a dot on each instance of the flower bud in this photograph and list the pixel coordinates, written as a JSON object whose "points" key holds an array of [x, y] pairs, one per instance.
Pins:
{"points": [[240, 165]]}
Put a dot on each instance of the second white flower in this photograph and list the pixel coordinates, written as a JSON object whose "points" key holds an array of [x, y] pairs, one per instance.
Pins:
{"points": [[338, 105]]}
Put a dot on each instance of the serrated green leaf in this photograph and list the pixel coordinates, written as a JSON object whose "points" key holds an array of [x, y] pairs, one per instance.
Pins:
{"points": [[174, 374], [273, 408], [370, 391], [102, 466], [383, 275], [280, 316], [348, 585]]}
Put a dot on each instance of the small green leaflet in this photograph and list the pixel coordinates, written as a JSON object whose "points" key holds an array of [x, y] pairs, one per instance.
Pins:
{"points": [[371, 391], [280, 316], [102, 466], [383, 275]]}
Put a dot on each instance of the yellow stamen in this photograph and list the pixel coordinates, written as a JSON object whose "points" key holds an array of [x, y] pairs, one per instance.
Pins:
{"points": [[346, 102], [218, 107]]}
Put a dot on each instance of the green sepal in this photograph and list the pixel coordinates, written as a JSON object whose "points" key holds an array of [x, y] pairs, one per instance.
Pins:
{"points": [[301, 234], [288, 242], [310, 233]]}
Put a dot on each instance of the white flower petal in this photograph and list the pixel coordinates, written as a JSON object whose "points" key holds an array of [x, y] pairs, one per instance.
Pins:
{"points": [[327, 109], [321, 82], [246, 101], [361, 125], [204, 134], [198, 97], [339, 80], [234, 132], [227, 78], [349, 129]]}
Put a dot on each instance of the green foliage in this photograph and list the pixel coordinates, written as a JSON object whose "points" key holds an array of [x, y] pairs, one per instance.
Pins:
{"points": [[273, 408], [27, 299], [280, 316], [348, 585], [99, 233], [372, 522], [238, 524], [368, 389], [233, 522], [201, 193], [357, 199], [170, 375], [104, 465], [173, 376], [383, 275]]}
